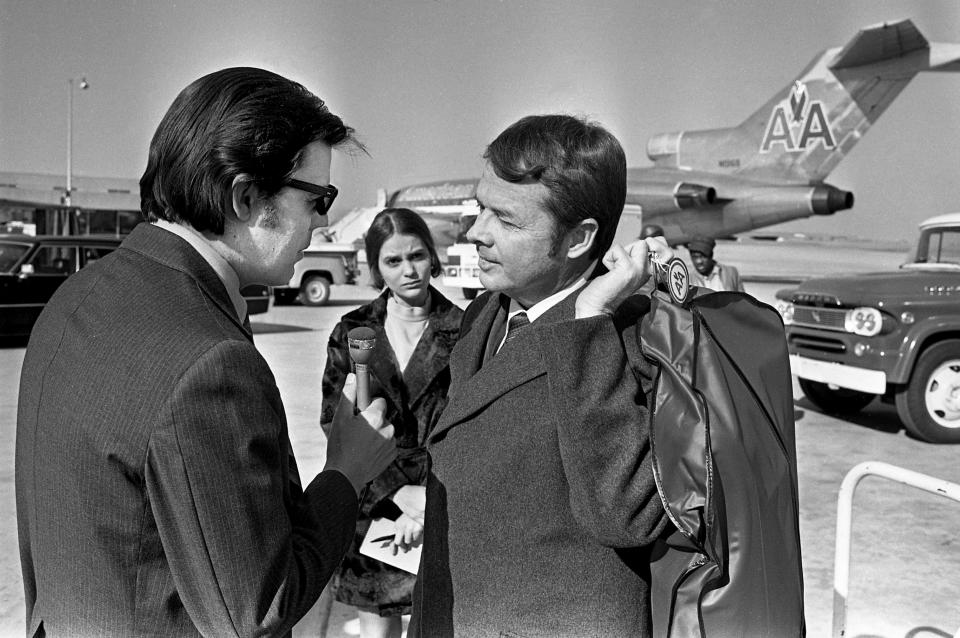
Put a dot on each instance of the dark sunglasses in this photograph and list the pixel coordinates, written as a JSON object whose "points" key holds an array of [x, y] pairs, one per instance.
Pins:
{"points": [[327, 193]]}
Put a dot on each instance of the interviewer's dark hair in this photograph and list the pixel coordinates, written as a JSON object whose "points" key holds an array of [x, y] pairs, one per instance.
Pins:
{"points": [[233, 121], [582, 165], [397, 221]]}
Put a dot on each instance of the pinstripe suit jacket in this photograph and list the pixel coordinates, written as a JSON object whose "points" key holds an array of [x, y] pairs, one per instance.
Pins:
{"points": [[157, 493]]}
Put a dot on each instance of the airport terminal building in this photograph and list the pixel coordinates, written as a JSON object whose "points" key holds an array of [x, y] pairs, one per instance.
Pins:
{"points": [[37, 204]]}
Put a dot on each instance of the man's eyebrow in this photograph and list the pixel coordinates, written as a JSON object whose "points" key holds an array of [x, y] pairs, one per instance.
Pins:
{"points": [[493, 209]]}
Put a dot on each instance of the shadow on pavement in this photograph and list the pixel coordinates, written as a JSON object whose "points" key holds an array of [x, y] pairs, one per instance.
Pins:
{"points": [[876, 416], [269, 328], [359, 300]]}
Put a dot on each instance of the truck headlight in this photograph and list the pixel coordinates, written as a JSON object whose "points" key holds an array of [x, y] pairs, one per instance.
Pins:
{"points": [[865, 322], [785, 308]]}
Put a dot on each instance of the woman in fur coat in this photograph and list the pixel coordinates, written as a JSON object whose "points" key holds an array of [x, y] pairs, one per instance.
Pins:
{"points": [[416, 328]]}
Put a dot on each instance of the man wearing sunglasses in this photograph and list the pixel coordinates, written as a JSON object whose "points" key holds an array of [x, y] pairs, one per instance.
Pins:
{"points": [[157, 492]]}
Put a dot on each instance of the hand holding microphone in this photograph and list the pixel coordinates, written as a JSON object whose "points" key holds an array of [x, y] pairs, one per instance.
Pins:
{"points": [[360, 445]]}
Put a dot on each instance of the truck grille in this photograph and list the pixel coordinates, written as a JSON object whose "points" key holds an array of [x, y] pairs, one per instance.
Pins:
{"points": [[817, 343], [815, 317]]}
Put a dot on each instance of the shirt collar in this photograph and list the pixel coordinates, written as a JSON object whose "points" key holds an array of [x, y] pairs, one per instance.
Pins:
{"points": [[538, 309], [224, 270]]}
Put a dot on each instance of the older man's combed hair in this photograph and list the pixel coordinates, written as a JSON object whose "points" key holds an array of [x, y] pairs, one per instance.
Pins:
{"points": [[582, 165]]}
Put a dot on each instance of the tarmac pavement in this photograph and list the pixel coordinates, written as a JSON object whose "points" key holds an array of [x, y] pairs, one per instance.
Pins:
{"points": [[906, 554]]}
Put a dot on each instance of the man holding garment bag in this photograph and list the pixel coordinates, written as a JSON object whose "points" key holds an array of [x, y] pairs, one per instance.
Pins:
{"points": [[541, 507]]}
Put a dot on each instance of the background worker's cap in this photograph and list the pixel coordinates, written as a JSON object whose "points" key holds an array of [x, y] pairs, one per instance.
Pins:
{"points": [[651, 230], [702, 245]]}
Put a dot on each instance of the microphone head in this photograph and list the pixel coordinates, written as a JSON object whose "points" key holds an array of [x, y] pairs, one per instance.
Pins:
{"points": [[361, 342]]}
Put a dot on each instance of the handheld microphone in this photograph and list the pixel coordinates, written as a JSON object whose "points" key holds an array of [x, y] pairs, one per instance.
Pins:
{"points": [[361, 342]]}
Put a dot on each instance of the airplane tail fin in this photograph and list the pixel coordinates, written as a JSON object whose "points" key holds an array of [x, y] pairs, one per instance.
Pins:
{"points": [[804, 131]]}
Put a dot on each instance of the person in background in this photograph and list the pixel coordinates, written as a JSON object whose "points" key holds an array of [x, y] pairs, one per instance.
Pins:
{"points": [[416, 328], [707, 271], [157, 490], [541, 502]]}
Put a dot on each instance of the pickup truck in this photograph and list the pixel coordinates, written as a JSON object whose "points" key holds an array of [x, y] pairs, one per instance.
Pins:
{"points": [[890, 334], [323, 265]]}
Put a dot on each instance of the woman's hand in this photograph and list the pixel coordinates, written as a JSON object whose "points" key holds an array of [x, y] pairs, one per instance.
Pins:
{"points": [[412, 501], [409, 534]]}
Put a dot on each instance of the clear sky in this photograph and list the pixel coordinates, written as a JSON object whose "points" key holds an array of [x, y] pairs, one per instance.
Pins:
{"points": [[427, 83]]}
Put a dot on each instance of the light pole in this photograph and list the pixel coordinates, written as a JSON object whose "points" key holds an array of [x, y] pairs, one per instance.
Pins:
{"points": [[84, 85]]}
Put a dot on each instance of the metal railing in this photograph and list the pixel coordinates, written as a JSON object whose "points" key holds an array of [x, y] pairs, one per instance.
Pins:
{"points": [[841, 565]]}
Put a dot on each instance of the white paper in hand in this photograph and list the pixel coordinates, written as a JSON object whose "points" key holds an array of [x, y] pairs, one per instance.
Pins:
{"points": [[408, 561]]}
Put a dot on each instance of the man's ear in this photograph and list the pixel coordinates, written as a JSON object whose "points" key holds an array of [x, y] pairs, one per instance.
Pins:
{"points": [[243, 194], [581, 238]]}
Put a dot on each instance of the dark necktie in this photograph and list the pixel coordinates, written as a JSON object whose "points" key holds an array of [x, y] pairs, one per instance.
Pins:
{"points": [[516, 324]]}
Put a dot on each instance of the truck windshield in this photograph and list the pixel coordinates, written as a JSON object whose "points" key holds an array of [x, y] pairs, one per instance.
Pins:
{"points": [[10, 254], [939, 246]]}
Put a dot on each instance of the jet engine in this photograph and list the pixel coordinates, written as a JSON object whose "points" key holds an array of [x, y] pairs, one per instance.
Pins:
{"points": [[677, 194], [826, 199]]}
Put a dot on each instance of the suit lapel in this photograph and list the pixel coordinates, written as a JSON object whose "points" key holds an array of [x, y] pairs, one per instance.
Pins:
{"points": [[468, 354], [474, 387], [509, 369]]}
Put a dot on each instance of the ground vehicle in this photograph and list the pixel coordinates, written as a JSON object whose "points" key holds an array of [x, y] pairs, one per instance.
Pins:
{"points": [[893, 334], [462, 269], [323, 265], [33, 267], [257, 297]]}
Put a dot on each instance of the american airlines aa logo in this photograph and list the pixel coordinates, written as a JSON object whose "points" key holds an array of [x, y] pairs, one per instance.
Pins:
{"points": [[797, 123]]}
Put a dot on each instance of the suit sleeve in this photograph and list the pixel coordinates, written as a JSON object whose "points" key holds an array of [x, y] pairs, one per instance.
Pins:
{"points": [[603, 430], [248, 551]]}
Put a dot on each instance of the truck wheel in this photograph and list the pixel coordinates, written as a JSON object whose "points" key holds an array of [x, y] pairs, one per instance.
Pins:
{"points": [[929, 405], [315, 291], [835, 400], [469, 293]]}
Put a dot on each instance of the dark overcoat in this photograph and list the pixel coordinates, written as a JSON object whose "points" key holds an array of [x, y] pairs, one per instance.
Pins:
{"points": [[541, 503], [157, 493], [415, 399]]}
